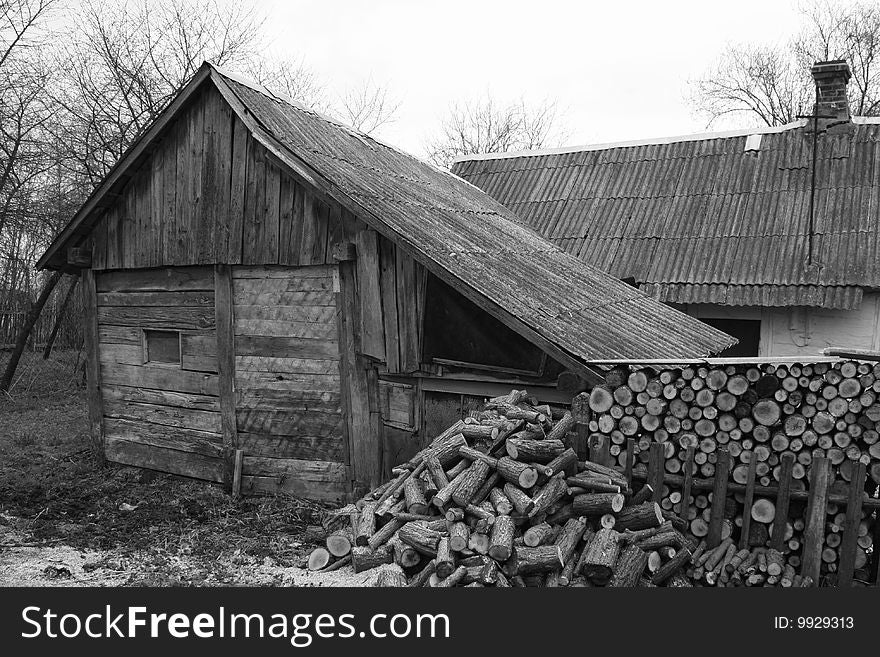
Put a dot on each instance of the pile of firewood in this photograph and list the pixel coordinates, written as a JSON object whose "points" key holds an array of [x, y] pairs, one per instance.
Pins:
{"points": [[501, 499], [782, 417]]}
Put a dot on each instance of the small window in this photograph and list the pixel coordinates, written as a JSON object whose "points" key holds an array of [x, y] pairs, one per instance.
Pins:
{"points": [[162, 347]]}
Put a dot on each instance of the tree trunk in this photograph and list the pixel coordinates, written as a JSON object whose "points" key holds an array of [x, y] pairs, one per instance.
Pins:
{"points": [[24, 333]]}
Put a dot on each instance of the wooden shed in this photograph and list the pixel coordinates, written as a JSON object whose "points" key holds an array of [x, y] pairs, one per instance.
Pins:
{"points": [[262, 280]]}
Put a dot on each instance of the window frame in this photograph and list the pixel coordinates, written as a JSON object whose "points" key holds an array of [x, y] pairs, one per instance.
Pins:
{"points": [[145, 348]]}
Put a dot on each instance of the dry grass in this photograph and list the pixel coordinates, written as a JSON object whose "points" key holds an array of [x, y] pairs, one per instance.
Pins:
{"points": [[179, 531]]}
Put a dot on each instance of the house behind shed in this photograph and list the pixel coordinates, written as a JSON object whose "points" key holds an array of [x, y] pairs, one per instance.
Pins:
{"points": [[266, 281]]}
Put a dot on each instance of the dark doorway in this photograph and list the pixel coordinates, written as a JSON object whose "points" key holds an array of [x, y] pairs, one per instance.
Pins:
{"points": [[747, 331]]}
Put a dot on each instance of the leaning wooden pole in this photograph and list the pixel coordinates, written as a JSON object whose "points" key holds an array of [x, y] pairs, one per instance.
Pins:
{"points": [[58, 319], [21, 339]]}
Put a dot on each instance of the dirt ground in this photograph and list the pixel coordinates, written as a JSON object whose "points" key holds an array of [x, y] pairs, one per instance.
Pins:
{"points": [[64, 521]]}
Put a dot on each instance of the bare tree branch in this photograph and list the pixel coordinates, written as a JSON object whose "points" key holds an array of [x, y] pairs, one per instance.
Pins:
{"points": [[772, 84], [484, 126]]}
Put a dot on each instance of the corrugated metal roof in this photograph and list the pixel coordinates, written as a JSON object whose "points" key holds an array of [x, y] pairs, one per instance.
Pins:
{"points": [[458, 231], [588, 313], [702, 220]]}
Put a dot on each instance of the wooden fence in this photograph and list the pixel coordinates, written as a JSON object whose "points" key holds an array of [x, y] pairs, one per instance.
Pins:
{"points": [[782, 456]]}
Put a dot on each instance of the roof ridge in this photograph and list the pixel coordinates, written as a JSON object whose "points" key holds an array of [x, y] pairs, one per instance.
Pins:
{"points": [[649, 141]]}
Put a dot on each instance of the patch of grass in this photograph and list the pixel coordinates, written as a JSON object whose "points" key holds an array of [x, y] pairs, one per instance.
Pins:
{"points": [[52, 485]]}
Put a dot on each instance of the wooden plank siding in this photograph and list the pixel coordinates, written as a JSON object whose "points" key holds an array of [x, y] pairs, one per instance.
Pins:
{"points": [[288, 417], [208, 193], [158, 415]]}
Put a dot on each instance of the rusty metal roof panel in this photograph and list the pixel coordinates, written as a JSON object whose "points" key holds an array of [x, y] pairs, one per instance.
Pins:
{"points": [[716, 215]]}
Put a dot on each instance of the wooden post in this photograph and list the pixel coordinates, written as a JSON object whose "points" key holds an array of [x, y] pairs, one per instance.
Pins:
{"points": [[93, 368], [783, 498], [814, 530], [580, 411], [849, 545], [656, 470], [748, 500], [223, 311], [688, 483], [630, 458], [719, 497], [236, 474], [600, 447]]}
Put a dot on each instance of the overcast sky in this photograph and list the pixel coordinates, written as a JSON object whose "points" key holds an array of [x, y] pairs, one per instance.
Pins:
{"points": [[619, 70]]}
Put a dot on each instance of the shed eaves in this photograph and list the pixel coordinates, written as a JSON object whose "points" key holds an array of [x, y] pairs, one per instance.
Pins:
{"points": [[457, 230]]}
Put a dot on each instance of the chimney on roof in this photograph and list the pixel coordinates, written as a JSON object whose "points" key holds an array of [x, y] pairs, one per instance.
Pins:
{"points": [[831, 78]]}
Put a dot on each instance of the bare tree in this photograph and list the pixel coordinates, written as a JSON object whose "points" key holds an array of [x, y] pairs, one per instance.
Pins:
{"points": [[484, 126], [771, 85], [368, 107]]}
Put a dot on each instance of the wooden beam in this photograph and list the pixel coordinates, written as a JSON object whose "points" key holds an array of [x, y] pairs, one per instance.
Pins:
{"points": [[223, 313], [94, 393], [236, 474], [783, 498], [849, 545], [747, 504], [814, 529], [688, 482], [656, 469], [719, 498]]}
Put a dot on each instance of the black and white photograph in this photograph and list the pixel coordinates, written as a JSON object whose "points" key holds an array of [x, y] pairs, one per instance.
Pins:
{"points": [[309, 295]]}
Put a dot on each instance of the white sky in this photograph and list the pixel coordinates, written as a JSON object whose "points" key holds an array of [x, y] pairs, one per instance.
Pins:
{"points": [[618, 70]]}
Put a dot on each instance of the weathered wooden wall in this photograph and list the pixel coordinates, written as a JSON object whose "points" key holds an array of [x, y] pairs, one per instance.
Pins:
{"points": [[287, 380], [325, 355], [158, 416], [209, 193]]}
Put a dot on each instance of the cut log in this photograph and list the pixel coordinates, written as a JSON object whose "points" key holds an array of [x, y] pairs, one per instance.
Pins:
{"points": [[470, 482], [767, 412], [601, 399], [404, 555], [541, 559], [597, 504], [391, 577], [763, 510], [454, 579], [419, 537], [551, 493], [338, 544], [500, 502], [600, 556], [538, 534], [501, 542], [319, 558], [642, 516], [565, 462], [519, 474], [367, 525], [365, 558], [629, 568], [445, 560], [459, 534], [521, 502], [537, 451], [414, 495]]}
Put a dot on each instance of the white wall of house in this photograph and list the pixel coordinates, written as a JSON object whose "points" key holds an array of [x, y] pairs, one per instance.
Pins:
{"points": [[804, 331]]}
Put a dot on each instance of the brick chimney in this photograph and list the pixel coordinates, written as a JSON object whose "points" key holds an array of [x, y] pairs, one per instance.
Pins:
{"points": [[831, 102]]}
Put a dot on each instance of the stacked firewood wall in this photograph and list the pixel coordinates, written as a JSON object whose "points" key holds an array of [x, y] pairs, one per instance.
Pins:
{"points": [[771, 425]]}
